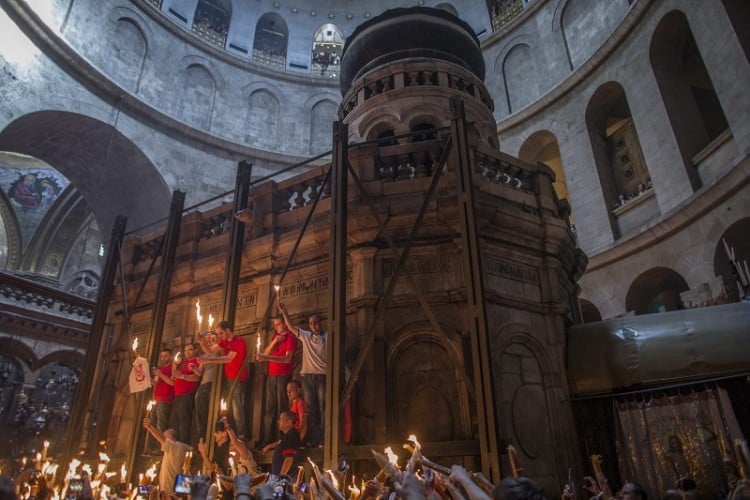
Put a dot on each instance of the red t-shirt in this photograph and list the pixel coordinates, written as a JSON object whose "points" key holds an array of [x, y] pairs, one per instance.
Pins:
{"points": [[182, 386], [163, 392], [237, 344], [287, 345], [299, 408]]}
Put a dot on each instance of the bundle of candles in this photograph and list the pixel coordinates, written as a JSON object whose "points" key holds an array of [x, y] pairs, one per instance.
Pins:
{"points": [[81, 479]]}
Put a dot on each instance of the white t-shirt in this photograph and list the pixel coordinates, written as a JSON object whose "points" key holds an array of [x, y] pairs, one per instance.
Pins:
{"points": [[171, 463], [314, 359]]}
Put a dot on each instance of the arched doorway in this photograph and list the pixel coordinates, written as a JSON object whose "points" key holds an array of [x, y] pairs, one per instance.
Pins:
{"points": [[543, 147], [328, 43], [656, 290], [270, 42], [211, 21]]}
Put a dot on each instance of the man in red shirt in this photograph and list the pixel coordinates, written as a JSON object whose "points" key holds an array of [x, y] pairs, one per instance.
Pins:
{"points": [[185, 385], [298, 406], [280, 356], [163, 396], [233, 352]]}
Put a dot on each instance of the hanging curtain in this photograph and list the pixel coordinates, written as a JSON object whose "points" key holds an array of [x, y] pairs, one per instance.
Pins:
{"points": [[662, 438]]}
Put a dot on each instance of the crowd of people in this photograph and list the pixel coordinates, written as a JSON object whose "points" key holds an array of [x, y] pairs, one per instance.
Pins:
{"points": [[293, 418]]}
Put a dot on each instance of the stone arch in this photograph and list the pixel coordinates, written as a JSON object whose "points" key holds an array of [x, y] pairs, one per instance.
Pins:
{"points": [[263, 119], [108, 169], [523, 375], [79, 273], [519, 77], [198, 91], [692, 105], [375, 128], [656, 290], [14, 349], [211, 21], [542, 146], [736, 238], [322, 115], [589, 312], [270, 41], [425, 397], [11, 380], [68, 357], [619, 161], [127, 54], [582, 29], [11, 243]]}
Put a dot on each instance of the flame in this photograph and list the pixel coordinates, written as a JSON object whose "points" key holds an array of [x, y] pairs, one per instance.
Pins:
{"points": [[45, 444], [413, 439], [38, 457], [210, 321], [123, 473], [277, 288], [392, 457], [353, 488], [104, 492], [135, 344], [100, 468], [140, 478], [223, 405], [231, 462], [87, 469], [257, 344], [103, 457], [151, 472], [111, 474], [177, 357], [149, 407], [72, 468]]}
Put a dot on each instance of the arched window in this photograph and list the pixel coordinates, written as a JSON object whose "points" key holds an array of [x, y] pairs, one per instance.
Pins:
{"points": [[543, 147], [423, 131], [689, 97], [328, 43], [589, 312], [619, 161], [656, 290], [271, 39], [737, 241], [211, 21]]}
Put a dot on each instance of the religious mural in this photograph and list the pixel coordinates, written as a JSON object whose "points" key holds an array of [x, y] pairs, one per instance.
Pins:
{"points": [[32, 187]]}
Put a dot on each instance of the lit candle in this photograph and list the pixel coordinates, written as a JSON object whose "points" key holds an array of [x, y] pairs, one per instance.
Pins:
{"points": [[300, 476], [187, 462], [39, 458], [233, 471], [100, 469], [149, 407], [210, 321], [198, 316], [278, 295], [123, 473], [257, 344], [354, 490], [177, 357], [135, 347], [392, 457], [223, 408], [45, 449], [140, 478]]}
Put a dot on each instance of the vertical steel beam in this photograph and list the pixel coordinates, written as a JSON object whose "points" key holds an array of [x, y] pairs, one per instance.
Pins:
{"points": [[475, 312], [158, 314], [80, 416], [231, 282], [337, 288]]}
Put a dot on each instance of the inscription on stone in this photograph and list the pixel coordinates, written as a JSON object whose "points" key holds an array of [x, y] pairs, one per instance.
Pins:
{"points": [[420, 265], [508, 269], [309, 285]]}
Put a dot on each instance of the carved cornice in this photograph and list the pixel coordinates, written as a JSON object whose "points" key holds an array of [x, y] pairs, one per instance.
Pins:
{"points": [[37, 302]]}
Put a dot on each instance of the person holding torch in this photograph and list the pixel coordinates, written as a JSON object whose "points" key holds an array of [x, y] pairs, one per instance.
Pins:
{"points": [[231, 350]]}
